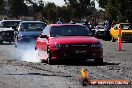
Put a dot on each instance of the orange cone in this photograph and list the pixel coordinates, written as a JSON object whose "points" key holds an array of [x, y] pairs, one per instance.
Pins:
{"points": [[85, 79], [84, 73]]}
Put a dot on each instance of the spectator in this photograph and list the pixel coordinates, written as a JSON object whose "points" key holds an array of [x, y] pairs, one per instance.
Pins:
{"points": [[72, 22], [107, 28], [127, 21], [113, 23], [59, 22], [88, 25]]}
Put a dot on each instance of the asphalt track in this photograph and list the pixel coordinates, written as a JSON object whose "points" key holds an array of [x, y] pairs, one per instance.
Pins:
{"points": [[19, 68]]}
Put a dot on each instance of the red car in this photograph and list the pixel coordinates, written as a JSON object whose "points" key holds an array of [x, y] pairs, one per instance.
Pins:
{"points": [[69, 42]]}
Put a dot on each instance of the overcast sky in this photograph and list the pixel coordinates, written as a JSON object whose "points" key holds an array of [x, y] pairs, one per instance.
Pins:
{"points": [[61, 2], [57, 2]]}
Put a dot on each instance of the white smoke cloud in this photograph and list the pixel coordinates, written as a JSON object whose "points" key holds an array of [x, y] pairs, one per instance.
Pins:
{"points": [[30, 56], [26, 52]]}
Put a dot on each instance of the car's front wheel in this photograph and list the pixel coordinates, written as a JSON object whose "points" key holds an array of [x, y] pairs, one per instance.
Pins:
{"points": [[49, 61], [1, 41]]}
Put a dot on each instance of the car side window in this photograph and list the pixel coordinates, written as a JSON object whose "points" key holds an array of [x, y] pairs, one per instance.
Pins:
{"points": [[24, 26], [130, 27], [0, 24], [46, 31]]}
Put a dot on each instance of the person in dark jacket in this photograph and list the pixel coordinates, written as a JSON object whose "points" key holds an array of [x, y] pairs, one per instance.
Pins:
{"points": [[87, 25], [107, 26]]}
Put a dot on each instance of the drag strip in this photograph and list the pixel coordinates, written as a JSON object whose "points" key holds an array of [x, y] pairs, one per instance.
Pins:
{"points": [[18, 69]]}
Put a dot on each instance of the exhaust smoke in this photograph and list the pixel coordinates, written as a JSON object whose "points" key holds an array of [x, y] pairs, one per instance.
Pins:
{"points": [[28, 52], [30, 56]]}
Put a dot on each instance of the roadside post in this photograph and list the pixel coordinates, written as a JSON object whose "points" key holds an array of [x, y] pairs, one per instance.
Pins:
{"points": [[120, 40]]}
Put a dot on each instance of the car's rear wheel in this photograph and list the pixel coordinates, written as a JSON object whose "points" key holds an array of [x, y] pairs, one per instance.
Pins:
{"points": [[98, 60], [49, 61], [35, 48], [1, 41], [37, 56], [113, 40], [10, 41], [43, 61]]}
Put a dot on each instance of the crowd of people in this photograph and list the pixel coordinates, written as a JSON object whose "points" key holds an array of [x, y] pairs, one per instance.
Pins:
{"points": [[108, 23]]}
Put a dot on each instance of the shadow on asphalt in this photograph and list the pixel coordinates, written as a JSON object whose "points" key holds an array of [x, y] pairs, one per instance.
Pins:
{"points": [[6, 43], [85, 63], [38, 74]]}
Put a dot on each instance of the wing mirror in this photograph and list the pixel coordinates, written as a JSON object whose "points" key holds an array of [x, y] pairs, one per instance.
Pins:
{"points": [[43, 36]]}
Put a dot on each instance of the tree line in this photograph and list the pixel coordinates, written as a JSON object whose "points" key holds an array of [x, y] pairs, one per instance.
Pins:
{"points": [[117, 10], [47, 11]]}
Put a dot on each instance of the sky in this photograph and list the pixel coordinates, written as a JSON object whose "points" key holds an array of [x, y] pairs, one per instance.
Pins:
{"points": [[61, 2], [57, 2]]}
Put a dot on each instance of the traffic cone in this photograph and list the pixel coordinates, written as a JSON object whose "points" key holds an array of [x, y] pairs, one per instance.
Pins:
{"points": [[85, 79], [84, 73]]}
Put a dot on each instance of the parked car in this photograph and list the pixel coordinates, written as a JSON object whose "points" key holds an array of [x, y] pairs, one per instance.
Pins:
{"points": [[7, 30], [99, 30], [126, 32], [29, 30], [81, 23], [89, 26], [69, 42], [9, 23]]}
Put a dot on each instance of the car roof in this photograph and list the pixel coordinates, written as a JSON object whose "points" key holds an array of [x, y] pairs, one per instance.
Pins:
{"points": [[32, 22], [100, 23], [81, 23], [51, 25], [10, 20], [124, 23]]}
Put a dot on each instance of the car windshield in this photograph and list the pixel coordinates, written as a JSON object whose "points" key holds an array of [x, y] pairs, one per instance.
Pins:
{"points": [[32, 26], [127, 26], [8, 24], [70, 31]]}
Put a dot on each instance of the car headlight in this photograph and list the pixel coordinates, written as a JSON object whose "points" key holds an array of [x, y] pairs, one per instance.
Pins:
{"points": [[3, 33], [98, 45], [60, 46], [57, 45]]}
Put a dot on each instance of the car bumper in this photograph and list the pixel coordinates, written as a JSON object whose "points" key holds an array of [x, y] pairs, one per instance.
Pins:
{"points": [[58, 54], [27, 38], [7, 36]]}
